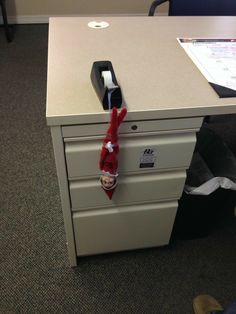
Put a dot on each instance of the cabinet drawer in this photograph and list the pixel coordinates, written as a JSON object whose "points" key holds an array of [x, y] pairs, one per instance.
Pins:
{"points": [[169, 151], [133, 126], [123, 228], [130, 189]]}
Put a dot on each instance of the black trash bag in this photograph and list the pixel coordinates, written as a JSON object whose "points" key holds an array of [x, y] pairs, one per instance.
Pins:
{"points": [[199, 215], [209, 196], [213, 165]]}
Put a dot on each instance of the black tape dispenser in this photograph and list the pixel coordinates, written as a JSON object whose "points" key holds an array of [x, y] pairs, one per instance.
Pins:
{"points": [[105, 84]]}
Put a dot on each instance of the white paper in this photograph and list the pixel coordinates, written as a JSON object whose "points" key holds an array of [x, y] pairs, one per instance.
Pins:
{"points": [[215, 58], [210, 186]]}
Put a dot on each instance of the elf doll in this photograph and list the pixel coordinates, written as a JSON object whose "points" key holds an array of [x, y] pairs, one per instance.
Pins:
{"points": [[109, 153]]}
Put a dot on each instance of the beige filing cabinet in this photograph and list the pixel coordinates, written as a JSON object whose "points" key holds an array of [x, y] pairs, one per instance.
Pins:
{"points": [[166, 97]]}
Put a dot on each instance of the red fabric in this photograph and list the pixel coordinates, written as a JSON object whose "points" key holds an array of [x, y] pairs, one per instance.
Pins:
{"points": [[108, 160]]}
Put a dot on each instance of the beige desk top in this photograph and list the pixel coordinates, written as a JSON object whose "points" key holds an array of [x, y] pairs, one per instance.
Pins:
{"points": [[157, 78]]}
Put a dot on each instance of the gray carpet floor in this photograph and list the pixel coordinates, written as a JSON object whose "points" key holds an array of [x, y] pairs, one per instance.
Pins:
{"points": [[35, 274]]}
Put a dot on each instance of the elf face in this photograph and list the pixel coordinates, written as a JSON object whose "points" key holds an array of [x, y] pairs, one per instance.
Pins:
{"points": [[108, 182]]}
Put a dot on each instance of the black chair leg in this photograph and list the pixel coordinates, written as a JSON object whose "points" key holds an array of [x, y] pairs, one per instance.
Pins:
{"points": [[153, 6], [5, 22]]}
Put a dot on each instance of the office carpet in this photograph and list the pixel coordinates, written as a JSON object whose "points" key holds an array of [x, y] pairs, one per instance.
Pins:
{"points": [[35, 274]]}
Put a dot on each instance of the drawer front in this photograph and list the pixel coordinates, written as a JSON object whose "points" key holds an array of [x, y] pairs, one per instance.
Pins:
{"points": [[133, 126], [123, 228], [130, 189], [168, 151]]}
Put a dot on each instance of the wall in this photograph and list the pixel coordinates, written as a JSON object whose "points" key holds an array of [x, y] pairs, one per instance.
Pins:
{"points": [[39, 11]]}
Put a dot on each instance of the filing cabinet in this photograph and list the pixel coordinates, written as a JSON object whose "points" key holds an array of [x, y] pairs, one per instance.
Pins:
{"points": [[142, 211]]}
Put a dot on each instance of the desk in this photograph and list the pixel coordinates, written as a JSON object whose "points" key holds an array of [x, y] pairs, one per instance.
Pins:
{"points": [[167, 98]]}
